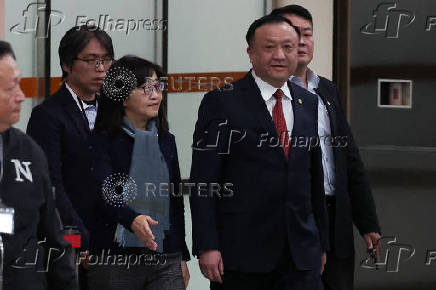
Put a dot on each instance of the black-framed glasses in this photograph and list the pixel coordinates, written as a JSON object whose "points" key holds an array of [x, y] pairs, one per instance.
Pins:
{"points": [[94, 63], [157, 86]]}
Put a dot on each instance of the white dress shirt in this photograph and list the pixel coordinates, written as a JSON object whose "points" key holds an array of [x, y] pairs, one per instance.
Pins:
{"points": [[90, 110], [267, 92], [324, 131]]}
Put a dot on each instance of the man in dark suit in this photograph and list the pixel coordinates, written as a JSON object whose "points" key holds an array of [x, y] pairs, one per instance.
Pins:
{"points": [[348, 194], [258, 215], [62, 124]]}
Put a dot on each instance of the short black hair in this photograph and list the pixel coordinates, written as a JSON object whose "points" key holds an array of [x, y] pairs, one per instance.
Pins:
{"points": [[110, 113], [268, 19], [293, 9], [76, 39], [6, 49]]}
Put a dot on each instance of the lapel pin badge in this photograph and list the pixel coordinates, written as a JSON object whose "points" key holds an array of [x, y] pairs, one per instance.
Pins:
{"points": [[300, 101], [328, 103]]}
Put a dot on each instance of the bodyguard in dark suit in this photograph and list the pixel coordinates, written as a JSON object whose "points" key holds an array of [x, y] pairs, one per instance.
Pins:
{"points": [[348, 194], [258, 214], [62, 124]]}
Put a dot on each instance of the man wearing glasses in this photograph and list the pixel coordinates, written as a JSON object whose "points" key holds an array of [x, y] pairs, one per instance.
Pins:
{"points": [[62, 124]]}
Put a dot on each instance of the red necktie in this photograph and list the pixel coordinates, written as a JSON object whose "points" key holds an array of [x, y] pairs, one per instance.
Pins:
{"points": [[280, 122]]}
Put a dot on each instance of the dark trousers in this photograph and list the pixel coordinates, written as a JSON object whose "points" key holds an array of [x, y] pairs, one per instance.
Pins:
{"points": [[338, 272], [83, 278], [165, 275], [285, 277]]}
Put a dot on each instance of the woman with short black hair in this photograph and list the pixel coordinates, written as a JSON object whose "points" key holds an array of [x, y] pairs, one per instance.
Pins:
{"points": [[136, 163]]}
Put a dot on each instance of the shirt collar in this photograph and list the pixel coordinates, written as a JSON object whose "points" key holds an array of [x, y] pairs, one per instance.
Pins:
{"points": [[312, 80], [268, 90], [5, 135], [4, 141], [76, 98]]}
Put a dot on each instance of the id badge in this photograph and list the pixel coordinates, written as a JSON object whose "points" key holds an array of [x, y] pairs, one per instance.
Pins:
{"points": [[7, 220]]}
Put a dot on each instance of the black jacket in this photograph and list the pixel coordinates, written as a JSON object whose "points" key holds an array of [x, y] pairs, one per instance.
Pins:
{"points": [[113, 155], [354, 201], [274, 203], [59, 127], [37, 227]]}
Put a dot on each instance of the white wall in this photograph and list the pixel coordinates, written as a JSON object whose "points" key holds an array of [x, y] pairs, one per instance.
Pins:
{"points": [[139, 42], [322, 12], [2, 19], [24, 46], [204, 36], [214, 41]]}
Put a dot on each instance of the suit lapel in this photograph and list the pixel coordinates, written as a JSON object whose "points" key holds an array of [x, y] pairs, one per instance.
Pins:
{"points": [[327, 98], [254, 102], [299, 109], [74, 112], [297, 105]]}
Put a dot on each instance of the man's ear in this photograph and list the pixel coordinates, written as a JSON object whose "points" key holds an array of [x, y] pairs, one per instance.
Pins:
{"points": [[67, 68], [249, 52]]}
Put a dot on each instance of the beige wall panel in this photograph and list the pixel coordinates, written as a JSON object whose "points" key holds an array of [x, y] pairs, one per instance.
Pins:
{"points": [[322, 12]]}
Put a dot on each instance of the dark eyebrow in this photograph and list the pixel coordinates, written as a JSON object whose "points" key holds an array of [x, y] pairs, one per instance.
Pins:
{"points": [[95, 55], [305, 28]]}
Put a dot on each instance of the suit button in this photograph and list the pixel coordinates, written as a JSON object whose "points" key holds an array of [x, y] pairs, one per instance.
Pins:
{"points": [[90, 147], [92, 168]]}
